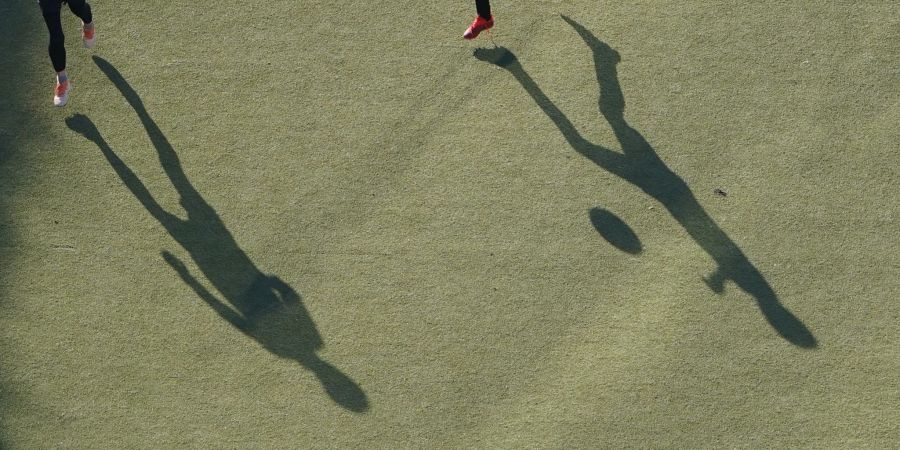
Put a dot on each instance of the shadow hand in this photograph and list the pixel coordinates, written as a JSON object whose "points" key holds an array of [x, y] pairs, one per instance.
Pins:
{"points": [[716, 281], [499, 56], [287, 293]]}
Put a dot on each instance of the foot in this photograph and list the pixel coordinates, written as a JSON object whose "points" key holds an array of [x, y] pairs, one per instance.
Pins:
{"points": [[478, 25], [61, 94], [88, 35]]}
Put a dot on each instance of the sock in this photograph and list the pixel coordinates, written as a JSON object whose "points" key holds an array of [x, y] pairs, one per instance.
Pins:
{"points": [[62, 77]]}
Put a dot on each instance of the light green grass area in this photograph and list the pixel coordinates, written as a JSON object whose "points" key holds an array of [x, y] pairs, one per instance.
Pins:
{"points": [[335, 225]]}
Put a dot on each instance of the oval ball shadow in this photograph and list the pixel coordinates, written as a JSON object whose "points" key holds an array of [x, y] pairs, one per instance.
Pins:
{"points": [[615, 231]]}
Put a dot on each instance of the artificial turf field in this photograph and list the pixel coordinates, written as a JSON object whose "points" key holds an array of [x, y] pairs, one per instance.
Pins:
{"points": [[318, 224]]}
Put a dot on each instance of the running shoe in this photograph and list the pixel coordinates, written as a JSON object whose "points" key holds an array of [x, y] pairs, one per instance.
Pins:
{"points": [[88, 35], [61, 94], [478, 25]]}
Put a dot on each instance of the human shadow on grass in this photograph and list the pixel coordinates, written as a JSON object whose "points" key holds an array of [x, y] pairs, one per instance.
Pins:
{"points": [[639, 164], [262, 306]]}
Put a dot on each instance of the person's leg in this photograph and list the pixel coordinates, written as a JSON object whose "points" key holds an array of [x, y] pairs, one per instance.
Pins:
{"points": [[57, 49], [483, 22], [82, 9], [484, 9]]}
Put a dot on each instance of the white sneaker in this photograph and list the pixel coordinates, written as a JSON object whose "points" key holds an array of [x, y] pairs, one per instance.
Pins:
{"points": [[61, 94], [89, 36]]}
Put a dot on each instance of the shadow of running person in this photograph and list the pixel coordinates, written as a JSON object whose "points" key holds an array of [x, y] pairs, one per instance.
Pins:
{"points": [[639, 164], [261, 306]]}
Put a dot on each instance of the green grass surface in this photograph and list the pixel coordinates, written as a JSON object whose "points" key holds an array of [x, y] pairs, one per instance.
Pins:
{"points": [[481, 257]]}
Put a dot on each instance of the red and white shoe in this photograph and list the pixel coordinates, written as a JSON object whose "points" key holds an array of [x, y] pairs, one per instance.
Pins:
{"points": [[61, 94], [478, 25], [88, 36]]}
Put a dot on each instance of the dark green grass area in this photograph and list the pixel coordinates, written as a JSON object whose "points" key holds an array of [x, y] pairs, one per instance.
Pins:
{"points": [[319, 225], [17, 136]]}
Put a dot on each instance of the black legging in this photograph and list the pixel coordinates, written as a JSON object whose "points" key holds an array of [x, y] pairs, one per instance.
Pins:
{"points": [[484, 8], [50, 9]]}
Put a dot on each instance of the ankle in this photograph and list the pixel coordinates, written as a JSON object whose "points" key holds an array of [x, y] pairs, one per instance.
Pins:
{"points": [[62, 77]]}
